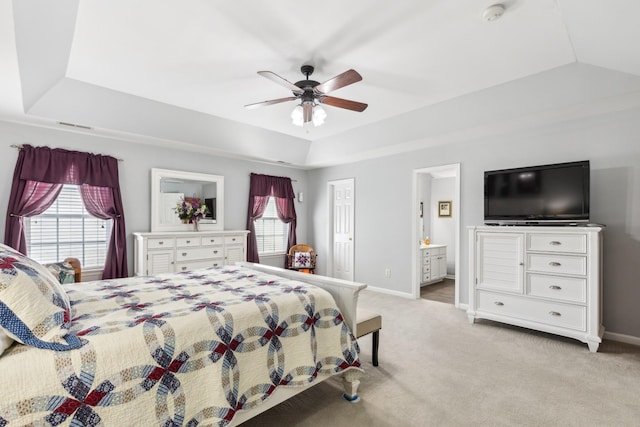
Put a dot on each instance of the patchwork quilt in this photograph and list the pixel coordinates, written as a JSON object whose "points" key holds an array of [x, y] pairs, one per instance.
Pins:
{"points": [[182, 349]]}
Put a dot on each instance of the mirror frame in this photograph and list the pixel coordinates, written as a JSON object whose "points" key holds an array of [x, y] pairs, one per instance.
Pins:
{"points": [[158, 174]]}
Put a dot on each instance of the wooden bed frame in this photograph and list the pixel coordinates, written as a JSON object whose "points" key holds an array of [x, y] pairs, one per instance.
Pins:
{"points": [[345, 294]]}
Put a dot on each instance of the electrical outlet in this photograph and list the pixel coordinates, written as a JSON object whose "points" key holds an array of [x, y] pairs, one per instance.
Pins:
{"points": [[387, 272]]}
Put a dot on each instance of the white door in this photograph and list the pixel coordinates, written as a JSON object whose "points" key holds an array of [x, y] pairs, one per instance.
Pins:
{"points": [[343, 201]]}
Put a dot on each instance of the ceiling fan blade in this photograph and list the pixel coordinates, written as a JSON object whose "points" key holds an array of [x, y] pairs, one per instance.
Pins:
{"points": [[343, 103], [279, 80], [307, 111], [271, 102], [341, 80]]}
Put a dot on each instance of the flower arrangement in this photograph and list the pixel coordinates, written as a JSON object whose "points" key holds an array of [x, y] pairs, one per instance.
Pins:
{"points": [[191, 210]]}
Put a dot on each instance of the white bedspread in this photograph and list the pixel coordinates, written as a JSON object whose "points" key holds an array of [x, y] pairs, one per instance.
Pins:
{"points": [[179, 349]]}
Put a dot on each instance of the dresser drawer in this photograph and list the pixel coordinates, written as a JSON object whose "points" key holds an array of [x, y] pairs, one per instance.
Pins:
{"points": [[184, 254], [194, 265], [550, 313], [212, 240], [434, 251], [572, 289], [557, 242], [426, 273], [185, 242], [160, 243], [560, 264], [426, 261], [233, 240]]}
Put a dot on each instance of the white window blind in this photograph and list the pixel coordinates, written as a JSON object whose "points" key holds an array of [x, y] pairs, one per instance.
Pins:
{"points": [[271, 233], [66, 229]]}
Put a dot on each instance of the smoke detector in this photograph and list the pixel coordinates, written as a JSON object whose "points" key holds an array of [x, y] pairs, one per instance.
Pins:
{"points": [[493, 12]]}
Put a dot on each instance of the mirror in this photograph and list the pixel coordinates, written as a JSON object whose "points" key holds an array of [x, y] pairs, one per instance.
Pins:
{"points": [[169, 187]]}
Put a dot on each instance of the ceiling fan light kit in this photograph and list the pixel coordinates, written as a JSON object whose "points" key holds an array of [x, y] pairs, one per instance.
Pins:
{"points": [[311, 94]]}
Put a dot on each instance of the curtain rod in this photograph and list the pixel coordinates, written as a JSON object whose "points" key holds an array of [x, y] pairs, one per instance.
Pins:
{"points": [[292, 180], [20, 147]]}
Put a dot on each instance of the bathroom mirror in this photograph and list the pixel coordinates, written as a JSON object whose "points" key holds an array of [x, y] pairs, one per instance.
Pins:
{"points": [[169, 187]]}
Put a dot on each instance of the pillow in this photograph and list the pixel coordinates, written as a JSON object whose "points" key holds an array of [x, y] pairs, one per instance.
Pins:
{"points": [[5, 341], [302, 259], [34, 308], [63, 271]]}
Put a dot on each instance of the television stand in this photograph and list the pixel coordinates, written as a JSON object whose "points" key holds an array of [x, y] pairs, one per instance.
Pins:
{"points": [[543, 278]]}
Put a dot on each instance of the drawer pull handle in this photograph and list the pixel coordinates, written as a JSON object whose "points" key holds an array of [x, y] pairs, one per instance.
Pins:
{"points": [[215, 264], [555, 314], [161, 242], [188, 241], [555, 243], [554, 264], [499, 303], [233, 240], [184, 268], [555, 287], [184, 254], [215, 252]]}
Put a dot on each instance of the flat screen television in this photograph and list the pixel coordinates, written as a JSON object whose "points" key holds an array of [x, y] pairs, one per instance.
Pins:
{"points": [[555, 194]]}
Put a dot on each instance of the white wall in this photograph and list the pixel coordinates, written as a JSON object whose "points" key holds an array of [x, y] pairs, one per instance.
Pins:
{"points": [[383, 231], [135, 174], [443, 229]]}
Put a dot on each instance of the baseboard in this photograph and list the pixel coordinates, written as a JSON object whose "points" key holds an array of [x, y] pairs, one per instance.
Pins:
{"points": [[627, 339], [389, 292]]}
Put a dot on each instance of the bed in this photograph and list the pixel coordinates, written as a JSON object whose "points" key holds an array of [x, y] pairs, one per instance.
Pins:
{"points": [[208, 347]]}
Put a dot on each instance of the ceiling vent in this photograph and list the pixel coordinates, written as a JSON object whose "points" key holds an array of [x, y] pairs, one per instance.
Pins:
{"points": [[73, 125]]}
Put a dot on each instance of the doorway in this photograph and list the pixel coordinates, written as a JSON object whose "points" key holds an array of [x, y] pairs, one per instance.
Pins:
{"points": [[341, 201], [436, 213]]}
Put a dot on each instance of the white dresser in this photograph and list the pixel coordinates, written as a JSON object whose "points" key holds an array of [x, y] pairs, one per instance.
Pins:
{"points": [[168, 252], [543, 278], [434, 263]]}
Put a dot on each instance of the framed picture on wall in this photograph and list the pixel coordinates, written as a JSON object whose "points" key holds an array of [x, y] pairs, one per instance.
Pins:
{"points": [[444, 209]]}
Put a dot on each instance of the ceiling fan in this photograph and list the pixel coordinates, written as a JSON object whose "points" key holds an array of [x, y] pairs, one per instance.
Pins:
{"points": [[311, 94]]}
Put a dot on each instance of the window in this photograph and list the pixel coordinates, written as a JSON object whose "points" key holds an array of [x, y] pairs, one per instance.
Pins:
{"points": [[66, 229], [271, 233]]}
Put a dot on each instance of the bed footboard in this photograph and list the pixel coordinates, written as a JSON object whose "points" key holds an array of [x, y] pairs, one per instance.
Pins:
{"points": [[344, 292], [351, 382]]}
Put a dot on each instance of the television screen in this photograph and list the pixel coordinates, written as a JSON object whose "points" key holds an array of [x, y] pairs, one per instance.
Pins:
{"points": [[547, 193]]}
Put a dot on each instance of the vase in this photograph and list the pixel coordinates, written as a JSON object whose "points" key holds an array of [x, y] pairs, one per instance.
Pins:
{"points": [[196, 225]]}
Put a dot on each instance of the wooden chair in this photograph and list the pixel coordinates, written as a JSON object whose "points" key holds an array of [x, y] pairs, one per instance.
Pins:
{"points": [[302, 258], [67, 271], [77, 268]]}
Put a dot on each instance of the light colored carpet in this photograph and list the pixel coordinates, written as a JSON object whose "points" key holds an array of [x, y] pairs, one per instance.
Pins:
{"points": [[436, 369]]}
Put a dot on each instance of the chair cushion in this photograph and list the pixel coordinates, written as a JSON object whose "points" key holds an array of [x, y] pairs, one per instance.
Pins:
{"points": [[34, 308], [302, 260]]}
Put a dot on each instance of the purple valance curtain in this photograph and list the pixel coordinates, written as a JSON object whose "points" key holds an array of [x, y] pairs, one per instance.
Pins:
{"points": [[37, 180], [261, 188]]}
